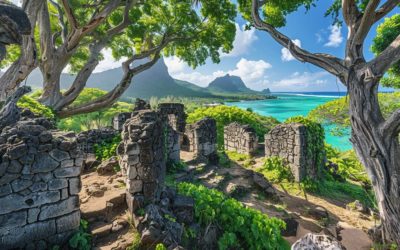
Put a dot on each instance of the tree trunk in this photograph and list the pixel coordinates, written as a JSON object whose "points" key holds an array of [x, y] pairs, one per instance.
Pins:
{"points": [[378, 153], [51, 83]]}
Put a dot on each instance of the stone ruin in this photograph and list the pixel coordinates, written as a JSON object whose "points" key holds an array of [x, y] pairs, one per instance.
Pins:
{"points": [[119, 120], [88, 139], [174, 119], [39, 185], [143, 162], [289, 142], [240, 138], [201, 138], [142, 157]]}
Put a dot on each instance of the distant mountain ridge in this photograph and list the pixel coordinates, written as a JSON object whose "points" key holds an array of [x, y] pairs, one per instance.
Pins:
{"points": [[230, 84], [156, 82]]}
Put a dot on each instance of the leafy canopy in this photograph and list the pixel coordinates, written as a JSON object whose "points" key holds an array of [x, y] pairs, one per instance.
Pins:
{"points": [[386, 34]]}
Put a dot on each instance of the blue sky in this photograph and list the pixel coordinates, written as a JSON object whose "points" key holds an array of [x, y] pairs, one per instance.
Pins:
{"points": [[262, 63]]}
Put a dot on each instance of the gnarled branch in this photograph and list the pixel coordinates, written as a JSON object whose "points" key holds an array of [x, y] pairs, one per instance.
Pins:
{"points": [[391, 127], [330, 63], [350, 11], [70, 14], [366, 23], [64, 28], [386, 59], [387, 7]]}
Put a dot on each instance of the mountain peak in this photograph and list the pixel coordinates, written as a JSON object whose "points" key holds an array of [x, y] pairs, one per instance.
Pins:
{"points": [[229, 83]]}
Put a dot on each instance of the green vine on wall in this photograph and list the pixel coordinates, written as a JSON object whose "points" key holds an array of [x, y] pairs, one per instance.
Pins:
{"points": [[107, 149], [315, 139]]}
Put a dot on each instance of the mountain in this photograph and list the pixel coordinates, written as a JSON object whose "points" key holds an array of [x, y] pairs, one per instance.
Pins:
{"points": [[157, 82], [266, 91], [230, 84]]}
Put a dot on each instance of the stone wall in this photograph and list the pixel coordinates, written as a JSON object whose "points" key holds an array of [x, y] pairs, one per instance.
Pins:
{"points": [[87, 139], [142, 157], [174, 119], [201, 138], [240, 138], [289, 142], [119, 120], [39, 185]]}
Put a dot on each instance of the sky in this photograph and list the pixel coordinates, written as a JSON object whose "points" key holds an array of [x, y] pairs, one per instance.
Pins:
{"points": [[262, 63]]}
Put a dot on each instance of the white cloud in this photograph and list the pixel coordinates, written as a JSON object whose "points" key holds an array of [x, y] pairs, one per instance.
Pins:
{"points": [[251, 72], [335, 38], [108, 62], [243, 40], [286, 55], [302, 80], [319, 38]]}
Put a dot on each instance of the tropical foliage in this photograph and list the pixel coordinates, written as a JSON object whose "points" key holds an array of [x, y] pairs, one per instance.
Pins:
{"points": [[242, 227]]}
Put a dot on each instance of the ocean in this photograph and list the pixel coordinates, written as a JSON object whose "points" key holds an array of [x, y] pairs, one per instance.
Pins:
{"points": [[294, 104]]}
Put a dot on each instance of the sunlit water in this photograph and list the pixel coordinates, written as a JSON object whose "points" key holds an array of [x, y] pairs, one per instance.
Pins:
{"points": [[289, 105]]}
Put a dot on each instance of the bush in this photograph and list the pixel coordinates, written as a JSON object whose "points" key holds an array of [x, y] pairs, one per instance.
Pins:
{"points": [[27, 101], [242, 227], [81, 239], [107, 149], [225, 115], [96, 119]]}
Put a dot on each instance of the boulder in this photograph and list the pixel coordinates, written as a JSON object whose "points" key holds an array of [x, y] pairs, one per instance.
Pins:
{"points": [[314, 242], [318, 213]]}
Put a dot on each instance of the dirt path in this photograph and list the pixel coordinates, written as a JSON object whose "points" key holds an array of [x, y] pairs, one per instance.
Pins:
{"points": [[303, 213]]}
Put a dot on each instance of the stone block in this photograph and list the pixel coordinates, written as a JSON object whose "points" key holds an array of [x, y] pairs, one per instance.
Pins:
{"points": [[33, 215], [20, 184], [5, 190], [135, 186], [59, 155], [56, 184], [67, 172], [15, 202], [74, 186], [68, 222], [13, 220], [44, 163], [60, 208]]}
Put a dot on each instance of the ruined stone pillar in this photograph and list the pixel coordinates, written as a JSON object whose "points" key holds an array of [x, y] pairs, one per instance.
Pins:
{"points": [[142, 158], [240, 138]]}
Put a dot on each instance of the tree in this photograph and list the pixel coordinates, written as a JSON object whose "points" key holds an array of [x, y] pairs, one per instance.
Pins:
{"points": [[386, 33], [375, 139], [75, 33]]}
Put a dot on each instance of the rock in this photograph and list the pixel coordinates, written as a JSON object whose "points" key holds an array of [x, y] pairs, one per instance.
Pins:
{"points": [[108, 166], [17, 151], [19, 185], [44, 163], [375, 234], [183, 208], [318, 213], [61, 208], [68, 222], [90, 162], [67, 172], [357, 206], [13, 220], [118, 225], [313, 241], [236, 191], [263, 184], [150, 236], [59, 155], [96, 190], [291, 227], [74, 185]]}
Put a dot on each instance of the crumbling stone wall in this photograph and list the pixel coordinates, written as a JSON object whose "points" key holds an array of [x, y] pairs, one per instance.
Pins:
{"points": [[119, 120], [142, 158], [289, 142], [202, 140], [240, 138], [87, 139], [174, 118], [39, 185]]}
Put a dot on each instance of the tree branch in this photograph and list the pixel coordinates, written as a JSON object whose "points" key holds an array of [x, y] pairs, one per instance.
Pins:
{"points": [[64, 28], [330, 63], [46, 40], [391, 127], [70, 15], [386, 59], [387, 7], [350, 11], [366, 23]]}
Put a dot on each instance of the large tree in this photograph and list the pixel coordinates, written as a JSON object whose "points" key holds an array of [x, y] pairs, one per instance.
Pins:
{"points": [[375, 139], [75, 33]]}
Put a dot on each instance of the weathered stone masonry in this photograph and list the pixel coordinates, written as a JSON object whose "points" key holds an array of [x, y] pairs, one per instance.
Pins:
{"points": [[39, 185], [88, 139], [240, 138], [201, 138], [288, 141], [174, 122], [142, 157]]}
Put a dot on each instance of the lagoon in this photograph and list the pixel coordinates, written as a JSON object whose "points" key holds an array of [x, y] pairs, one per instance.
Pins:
{"points": [[294, 104]]}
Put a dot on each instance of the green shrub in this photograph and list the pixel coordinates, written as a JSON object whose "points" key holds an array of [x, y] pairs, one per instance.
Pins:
{"points": [[349, 167], [36, 107], [225, 115], [276, 170], [81, 239], [107, 149], [160, 246], [242, 227], [101, 118]]}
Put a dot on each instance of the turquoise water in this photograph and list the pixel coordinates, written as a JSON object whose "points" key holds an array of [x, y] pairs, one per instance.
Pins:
{"points": [[289, 105]]}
